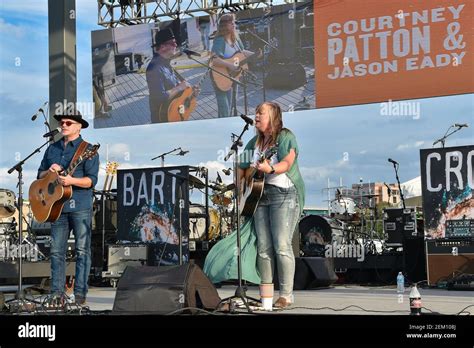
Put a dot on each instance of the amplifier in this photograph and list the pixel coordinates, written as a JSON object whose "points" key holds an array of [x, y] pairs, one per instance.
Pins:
{"points": [[44, 245], [400, 224], [123, 255], [447, 259]]}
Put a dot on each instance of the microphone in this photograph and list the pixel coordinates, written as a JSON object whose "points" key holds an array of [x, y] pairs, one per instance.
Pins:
{"points": [[182, 153], [52, 133], [227, 171], [219, 179], [392, 161], [461, 125], [39, 111], [247, 119], [190, 53]]}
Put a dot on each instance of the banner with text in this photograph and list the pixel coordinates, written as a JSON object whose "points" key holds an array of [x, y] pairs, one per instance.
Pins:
{"points": [[374, 51], [150, 204], [447, 181]]}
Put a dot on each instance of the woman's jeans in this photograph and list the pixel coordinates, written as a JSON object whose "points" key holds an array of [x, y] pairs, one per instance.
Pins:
{"points": [[275, 221], [80, 222]]}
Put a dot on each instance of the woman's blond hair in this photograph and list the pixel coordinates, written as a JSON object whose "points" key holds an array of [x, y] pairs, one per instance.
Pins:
{"points": [[222, 28], [276, 122]]}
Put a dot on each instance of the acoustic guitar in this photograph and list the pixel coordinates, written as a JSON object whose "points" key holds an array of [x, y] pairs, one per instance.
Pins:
{"points": [[47, 195], [251, 185], [240, 62], [181, 106]]}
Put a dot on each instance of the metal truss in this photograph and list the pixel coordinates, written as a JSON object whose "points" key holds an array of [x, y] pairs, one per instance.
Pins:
{"points": [[113, 13]]}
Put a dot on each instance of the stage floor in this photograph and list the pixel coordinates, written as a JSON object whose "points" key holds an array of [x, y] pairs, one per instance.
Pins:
{"points": [[371, 300]]}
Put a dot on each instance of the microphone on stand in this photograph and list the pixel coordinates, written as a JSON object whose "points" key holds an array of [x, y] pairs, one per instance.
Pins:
{"points": [[190, 53], [247, 119], [40, 110], [52, 133], [392, 161]]}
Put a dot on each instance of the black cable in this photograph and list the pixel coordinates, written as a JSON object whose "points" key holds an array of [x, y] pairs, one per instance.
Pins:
{"points": [[194, 309], [343, 309], [462, 310]]}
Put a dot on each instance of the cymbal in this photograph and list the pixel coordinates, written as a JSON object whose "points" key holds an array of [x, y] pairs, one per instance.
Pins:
{"points": [[195, 182]]}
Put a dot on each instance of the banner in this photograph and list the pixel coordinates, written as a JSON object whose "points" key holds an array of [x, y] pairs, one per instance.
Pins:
{"points": [[447, 187], [151, 203], [371, 51]]}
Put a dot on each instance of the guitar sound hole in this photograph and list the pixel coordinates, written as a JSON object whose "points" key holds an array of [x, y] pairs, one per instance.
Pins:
{"points": [[50, 188]]}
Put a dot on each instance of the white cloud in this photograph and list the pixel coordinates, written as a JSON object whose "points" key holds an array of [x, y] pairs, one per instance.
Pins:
{"points": [[9, 181], [407, 146], [11, 29], [363, 152], [22, 87]]}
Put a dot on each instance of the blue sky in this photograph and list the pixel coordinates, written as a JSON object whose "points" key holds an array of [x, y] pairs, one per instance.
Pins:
{"points": [[346, 142]]}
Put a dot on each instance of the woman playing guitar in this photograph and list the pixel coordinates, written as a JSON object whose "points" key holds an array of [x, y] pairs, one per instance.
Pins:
{"points": [[229, 59]]}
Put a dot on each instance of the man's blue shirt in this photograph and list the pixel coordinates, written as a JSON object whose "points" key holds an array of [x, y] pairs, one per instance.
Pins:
{"points": [[56, 153]]}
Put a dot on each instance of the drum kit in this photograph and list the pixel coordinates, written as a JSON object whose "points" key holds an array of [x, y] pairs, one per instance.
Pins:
{"points": [[219, 215], [9, 227], [346, 224]]}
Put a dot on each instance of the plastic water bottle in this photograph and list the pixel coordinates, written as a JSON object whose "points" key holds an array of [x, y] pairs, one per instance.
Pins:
{"points": [[400, 283], [415, 301]]}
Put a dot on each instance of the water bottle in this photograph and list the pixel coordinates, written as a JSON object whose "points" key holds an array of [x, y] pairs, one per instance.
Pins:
{"points": [[400, 283], [415, 301]]}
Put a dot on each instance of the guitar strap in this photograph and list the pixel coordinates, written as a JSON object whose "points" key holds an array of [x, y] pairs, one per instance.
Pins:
{"points": [[80, 150]]}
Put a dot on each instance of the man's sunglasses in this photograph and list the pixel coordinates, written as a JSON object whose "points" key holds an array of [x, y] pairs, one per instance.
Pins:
{"points": [[67, 123]]}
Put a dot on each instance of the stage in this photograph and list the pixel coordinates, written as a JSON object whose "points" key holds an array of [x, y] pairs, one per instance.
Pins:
{"points": [[363, 300]]}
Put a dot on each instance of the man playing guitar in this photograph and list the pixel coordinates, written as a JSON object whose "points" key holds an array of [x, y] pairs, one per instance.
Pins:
{"points": [[163, 82], [76, 214]]}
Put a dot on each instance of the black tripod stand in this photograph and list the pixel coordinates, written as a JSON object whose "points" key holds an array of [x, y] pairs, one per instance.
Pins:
{"points": [[21, 304], [240, 292]]}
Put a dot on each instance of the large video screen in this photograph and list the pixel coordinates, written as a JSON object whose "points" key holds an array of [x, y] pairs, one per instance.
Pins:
{"points": [[316, 54], [237, 61]]}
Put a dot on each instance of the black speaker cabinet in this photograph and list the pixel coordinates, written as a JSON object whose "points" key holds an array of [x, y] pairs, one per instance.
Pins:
{"points": [[162, 290], [447, 259]]}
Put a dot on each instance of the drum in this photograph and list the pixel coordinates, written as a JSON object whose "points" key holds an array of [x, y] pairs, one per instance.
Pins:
{"points": [[318, 231], [343, 208], [221, 199], [197, 223], [7, 203]]}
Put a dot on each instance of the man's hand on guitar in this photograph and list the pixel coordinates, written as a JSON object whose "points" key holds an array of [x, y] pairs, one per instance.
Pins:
{"points": [[55, 168], [66, 180], [183, 85]]}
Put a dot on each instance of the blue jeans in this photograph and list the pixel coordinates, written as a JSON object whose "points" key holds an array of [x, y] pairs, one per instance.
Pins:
{"points": [[81, 224], [275, 220], [205, 30], [224, 102]]}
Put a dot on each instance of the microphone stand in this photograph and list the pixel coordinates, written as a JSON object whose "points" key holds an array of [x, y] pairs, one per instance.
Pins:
{"points": [[21, 304], [162, 156], [395, 167], [442, 140], [264, 60], [240, 292]]}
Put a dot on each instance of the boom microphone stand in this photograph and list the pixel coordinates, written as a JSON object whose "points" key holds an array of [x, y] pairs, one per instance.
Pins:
{"points": [[240, 292], [21, 304], [395, 167]]}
